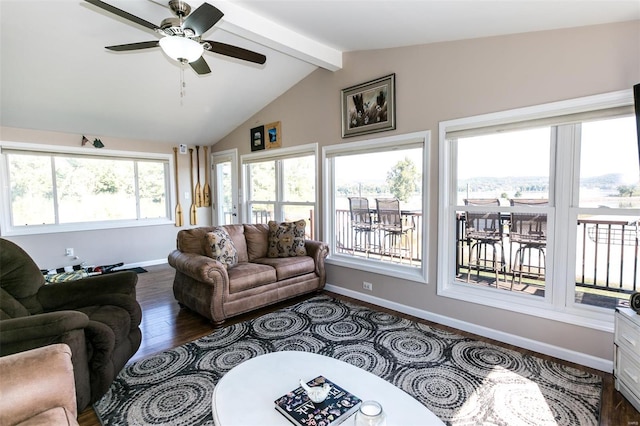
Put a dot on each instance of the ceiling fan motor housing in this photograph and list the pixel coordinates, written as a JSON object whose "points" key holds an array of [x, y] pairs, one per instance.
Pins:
{"points": [[180, 8], [173, 27]]}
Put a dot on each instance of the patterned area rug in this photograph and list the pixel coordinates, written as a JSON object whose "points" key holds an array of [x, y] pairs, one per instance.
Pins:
{"points": [[463, 381]]}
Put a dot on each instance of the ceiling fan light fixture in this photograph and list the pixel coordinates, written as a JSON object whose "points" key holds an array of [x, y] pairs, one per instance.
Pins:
{"points": [[181, 49]]}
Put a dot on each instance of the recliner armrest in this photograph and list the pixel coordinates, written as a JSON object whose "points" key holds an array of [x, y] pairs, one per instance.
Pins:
{"points": [[73, 293], [18, 334], [38, 384]]}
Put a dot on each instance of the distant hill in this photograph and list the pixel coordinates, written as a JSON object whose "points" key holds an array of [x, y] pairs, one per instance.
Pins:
{"points": [[533, 183], [610, 181]]}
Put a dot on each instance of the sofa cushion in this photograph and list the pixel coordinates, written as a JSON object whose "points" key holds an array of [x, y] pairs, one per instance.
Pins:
{"points": [[193, 241], [245, 276], [236, 232], [257, 236], [290, 266], [286, 239], [222, 247], [115, 317]]}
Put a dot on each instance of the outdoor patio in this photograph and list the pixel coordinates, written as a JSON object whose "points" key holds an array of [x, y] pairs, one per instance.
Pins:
{"points": [[606, 267], [607, 257]]}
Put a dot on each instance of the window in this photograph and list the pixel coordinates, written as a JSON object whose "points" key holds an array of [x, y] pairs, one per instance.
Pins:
{"points": [[525, 194], [68, 190], [281, 186], [375, 203], [497, 248], [607, 213]]}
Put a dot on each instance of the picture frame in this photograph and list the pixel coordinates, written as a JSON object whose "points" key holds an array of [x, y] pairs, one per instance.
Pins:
{"points": [[273, 135], [257, 138], [369, 107]]}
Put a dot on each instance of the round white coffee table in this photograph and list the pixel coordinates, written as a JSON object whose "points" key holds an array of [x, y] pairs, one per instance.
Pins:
{"points": [[245, 395]]}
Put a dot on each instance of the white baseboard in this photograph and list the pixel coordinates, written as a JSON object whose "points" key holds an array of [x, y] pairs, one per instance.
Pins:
{"points": [[511, 339]]}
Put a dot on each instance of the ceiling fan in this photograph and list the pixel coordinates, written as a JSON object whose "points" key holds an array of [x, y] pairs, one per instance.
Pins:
{"points": [[182, 35]]}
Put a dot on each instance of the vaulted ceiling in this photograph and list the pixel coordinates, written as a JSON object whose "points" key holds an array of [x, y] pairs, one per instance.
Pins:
{"points": [[56, 74]]}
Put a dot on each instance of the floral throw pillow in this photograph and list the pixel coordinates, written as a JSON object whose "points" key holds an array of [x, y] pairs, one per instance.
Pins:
{"points": [[222, 248], [286, 239]]}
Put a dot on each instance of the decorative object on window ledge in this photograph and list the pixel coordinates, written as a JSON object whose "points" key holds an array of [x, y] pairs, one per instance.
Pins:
{"points": [[257, 138], [369, 107], [273, 135], [96, 142]]}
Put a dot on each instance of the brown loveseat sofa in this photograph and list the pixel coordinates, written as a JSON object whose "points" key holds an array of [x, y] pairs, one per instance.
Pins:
{"points": [[208, 287]]}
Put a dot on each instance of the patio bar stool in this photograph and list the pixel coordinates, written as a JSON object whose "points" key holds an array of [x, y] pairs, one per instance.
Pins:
{"points": [[529, 231], [393, 238], [361, 224], [484, 231]]}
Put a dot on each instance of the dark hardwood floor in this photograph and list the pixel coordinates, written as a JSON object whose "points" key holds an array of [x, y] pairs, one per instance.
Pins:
{"points": [[165, 325]]}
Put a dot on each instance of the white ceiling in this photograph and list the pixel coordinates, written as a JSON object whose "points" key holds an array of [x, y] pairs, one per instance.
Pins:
{"points": [[56, 74]]}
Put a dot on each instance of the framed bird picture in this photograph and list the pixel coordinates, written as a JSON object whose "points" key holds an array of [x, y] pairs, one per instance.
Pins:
{"points": [[369, 107]]}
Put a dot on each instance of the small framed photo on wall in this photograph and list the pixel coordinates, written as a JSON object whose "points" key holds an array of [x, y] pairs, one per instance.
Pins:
{"points": [[273, 135], [257, 138]]}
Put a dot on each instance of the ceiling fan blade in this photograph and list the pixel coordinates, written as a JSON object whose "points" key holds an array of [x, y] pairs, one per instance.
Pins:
{"points": [[203, 18], [200, 66], [234, 52], [123, 14], [134, 46]]}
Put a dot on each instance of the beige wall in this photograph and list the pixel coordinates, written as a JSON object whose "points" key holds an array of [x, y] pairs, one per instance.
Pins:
{"points": [[450, 80], [136, 245]]}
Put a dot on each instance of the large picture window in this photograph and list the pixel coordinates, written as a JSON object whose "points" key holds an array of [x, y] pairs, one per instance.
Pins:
{"points": [[540, 208], [497, 247], [57, 191], [375, 205], [281, 186]]}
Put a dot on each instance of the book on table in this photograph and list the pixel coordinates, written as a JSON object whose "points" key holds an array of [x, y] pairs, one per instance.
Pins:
{"points": [[300, 410]]}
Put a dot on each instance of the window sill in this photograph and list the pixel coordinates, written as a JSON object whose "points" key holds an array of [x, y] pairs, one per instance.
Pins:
{"points": [[590, 317], [410, 273], [86, 226]]}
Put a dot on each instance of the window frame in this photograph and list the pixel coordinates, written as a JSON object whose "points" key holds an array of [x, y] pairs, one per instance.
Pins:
{"points": [[274, 155], [409, 273], [7, 229], [559, 303]]}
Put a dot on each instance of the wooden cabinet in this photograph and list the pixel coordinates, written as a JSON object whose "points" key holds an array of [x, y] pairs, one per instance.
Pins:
{"points": [[626, 368]]}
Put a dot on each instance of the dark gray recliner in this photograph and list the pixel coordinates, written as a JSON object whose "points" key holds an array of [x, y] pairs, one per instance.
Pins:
{"points": [[98, 317]]}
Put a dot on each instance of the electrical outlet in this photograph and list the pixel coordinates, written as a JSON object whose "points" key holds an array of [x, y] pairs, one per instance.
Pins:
{"points": [[367, 286], [68, 252]]}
